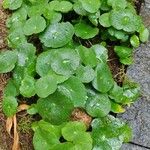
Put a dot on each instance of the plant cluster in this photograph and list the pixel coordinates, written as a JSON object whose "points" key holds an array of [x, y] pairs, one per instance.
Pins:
{"points": [[60, 72]]}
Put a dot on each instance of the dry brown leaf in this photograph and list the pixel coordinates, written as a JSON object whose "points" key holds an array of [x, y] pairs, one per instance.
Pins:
{"points": [[9, 124], [23, 107], [16, 145]]}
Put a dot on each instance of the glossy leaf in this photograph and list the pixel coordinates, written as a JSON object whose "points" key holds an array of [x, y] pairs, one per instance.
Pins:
{"points": [[116, 108], [123, 52], [57, 35], [98, 105], [74, 90], [116, 93], [131, 91], [108, 130], [87, 55], [104, 20], [45, 86], [56, 108], [12, 4], [34, 25], [43, 65], [101, 52], [91, 6], [94, 18], [32, 110], [125, 19], [71, 128], [43, 139], [79, 9], [144, 35], [63, 146], [103, 80], [64, 6], [134, 40], [85, 74], [65, 61], [8, 60], [117, 4], [16, 37], [27, 88], [10, 89], [119, 34], [26, 54], [18, 18], [9, 106], [85, 31]]}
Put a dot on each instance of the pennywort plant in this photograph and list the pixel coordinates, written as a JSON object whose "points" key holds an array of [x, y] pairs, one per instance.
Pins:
{"points": [[55, 70]]}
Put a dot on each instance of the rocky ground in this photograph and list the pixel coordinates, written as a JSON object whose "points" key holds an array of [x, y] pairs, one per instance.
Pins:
{"points": [[138, 115]]}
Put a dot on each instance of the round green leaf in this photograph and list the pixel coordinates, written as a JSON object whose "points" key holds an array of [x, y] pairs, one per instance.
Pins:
{"points": [[79, 9], [12, 4], [64, 6], [104, 5], [87, 55], [71, 128], [16, 37], [18, 17], [114, 130], [119, 34], [63, 146], [117, 4], [101, 52], [32, 110], [103, 81], [27, 88], [34, 25], [85, 31], [125, 19], [116, 108], [104, 20], [126, 61], [94, 18], [43, 65], [10, 89], [56, 108], [52, 16], [65, 61], [7, 61], [82, 140], [59, 78], [144, 35], [134, 40], [26, 54], [57, 35], [37, 9], [116, 93], [46, 86], [85, 74], [74, 89], [98, 105], [44, 140], [123, 52], [9, 106], [90, 6]]}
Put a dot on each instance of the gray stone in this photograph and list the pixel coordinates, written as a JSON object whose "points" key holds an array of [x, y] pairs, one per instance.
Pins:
{"points": [[132, 147], [138, 115], [140, 70]]}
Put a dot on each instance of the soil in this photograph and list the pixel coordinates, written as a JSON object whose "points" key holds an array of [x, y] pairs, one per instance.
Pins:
{"points": [[24, 121]]}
